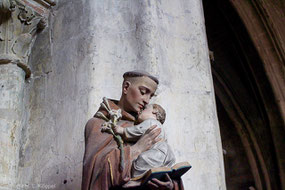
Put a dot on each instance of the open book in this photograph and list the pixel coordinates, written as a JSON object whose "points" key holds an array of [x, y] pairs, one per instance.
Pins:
{"points": [[174, 172]]}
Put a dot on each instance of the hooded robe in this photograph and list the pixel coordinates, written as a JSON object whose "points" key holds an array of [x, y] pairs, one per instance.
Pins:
{"points": [[101, 160]]}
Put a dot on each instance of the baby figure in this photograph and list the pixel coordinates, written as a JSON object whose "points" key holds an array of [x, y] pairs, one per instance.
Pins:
{"points": [[160, 154]]}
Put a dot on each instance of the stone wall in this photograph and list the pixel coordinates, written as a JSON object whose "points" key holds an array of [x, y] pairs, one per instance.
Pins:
{"points": [[20, 22], [81, 57]]}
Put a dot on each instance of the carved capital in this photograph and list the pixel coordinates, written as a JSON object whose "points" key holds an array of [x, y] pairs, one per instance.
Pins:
{"points": [[20, 22], [6, 6]]}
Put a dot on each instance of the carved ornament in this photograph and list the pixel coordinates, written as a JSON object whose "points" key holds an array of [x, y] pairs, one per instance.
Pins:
{"points": [[20, 22]]}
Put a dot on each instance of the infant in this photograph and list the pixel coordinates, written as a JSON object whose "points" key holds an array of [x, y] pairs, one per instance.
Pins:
{"points": [[160, 154]]}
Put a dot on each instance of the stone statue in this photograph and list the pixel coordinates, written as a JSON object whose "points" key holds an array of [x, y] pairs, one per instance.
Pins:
{"points": [[107, 165]]}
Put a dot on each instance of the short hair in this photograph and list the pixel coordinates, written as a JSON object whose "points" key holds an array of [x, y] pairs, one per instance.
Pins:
{"points": [[140, 73], [160, 114]]}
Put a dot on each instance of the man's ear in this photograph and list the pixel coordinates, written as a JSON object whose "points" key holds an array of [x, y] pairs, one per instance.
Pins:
{"points": [[126, 86]]}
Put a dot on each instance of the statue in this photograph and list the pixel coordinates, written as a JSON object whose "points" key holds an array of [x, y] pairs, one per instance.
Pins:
{"points": [[107, 161]]}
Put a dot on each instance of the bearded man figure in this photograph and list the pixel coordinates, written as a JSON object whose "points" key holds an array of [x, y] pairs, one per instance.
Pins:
{"points": [[101, 162]]}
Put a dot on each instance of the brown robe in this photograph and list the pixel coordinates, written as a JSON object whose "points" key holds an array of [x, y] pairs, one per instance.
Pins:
{"points": [[102, 157]]}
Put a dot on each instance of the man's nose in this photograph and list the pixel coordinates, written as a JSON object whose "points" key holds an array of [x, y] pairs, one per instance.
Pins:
{"points": [[146, 99]]}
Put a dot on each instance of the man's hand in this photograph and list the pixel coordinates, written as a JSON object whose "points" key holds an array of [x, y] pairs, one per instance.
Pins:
{"points": [[161, 185], [145, 142]]}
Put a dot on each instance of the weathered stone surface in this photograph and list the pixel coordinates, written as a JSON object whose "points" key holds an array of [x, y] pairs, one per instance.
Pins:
{"points": [[82, 57], [11, 112], [19, 23]]}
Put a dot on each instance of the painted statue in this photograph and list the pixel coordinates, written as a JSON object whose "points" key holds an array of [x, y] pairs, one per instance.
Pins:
{"points": [[108, 161]]}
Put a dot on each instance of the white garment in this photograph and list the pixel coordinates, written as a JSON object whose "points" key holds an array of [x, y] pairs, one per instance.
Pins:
{"points": [[159, 155]]}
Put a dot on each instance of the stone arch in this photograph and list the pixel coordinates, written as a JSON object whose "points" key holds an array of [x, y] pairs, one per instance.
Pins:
{"points": [[248, 70]]}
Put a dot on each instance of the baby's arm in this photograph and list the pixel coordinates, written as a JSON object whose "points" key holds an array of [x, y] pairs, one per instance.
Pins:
{"points": [[127, 133], [133, 133]]}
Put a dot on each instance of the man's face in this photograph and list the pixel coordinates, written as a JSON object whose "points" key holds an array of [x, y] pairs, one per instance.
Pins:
{"points": [[138, 93]]}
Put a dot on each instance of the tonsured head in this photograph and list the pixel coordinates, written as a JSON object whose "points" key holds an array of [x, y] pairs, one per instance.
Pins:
{"points": [[137, 90]]}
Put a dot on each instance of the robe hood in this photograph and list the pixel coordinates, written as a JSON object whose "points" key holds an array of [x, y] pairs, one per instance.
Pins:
{"points": [[114, 105]]}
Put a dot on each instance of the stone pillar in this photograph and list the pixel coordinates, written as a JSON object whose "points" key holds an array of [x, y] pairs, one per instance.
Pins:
{"points": [[92, 44], [20, 21], [166, 38]]}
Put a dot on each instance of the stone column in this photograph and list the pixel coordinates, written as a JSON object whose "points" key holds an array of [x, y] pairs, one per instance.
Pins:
{"points": [[166, 38], [20, 22]]}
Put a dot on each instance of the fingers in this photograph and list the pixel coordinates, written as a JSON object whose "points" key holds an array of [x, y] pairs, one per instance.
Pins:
{"points": [[157, 140], [159, 183], [154, 133], [148, 139], [152, 185], [168, 177], [150, 129]]}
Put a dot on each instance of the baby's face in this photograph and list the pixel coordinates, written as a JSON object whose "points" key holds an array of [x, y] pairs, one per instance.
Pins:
{"points": [[147, 113]]}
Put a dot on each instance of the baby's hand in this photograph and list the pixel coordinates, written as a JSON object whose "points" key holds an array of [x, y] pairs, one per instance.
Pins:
{"points": [[118, 130]]}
